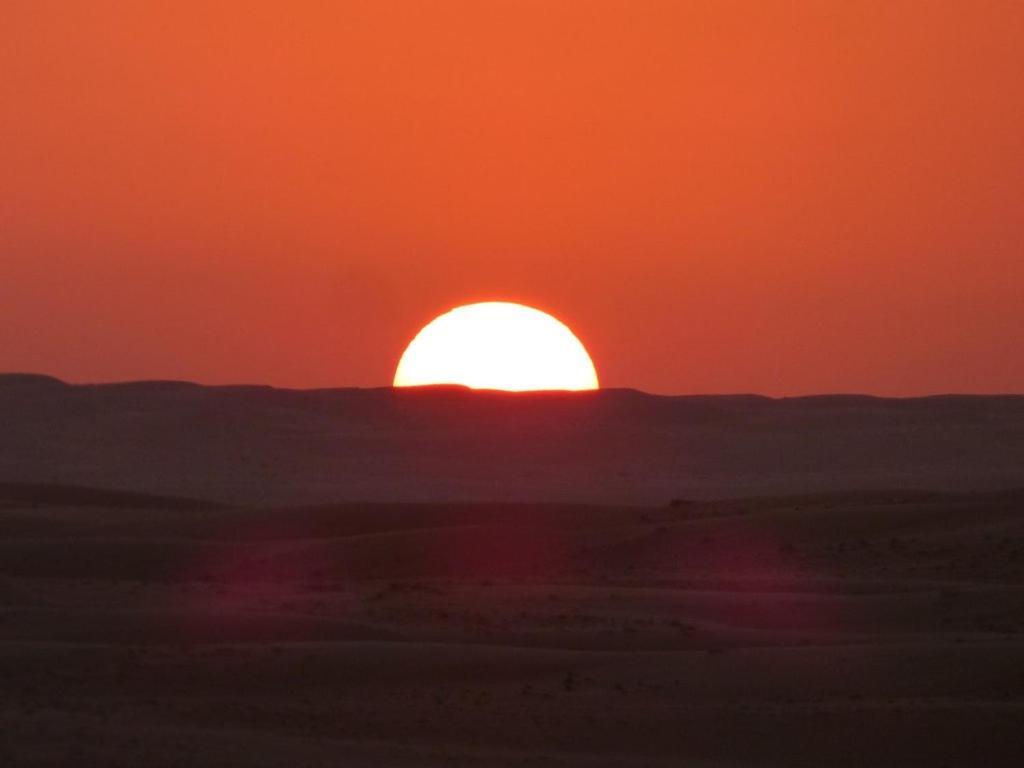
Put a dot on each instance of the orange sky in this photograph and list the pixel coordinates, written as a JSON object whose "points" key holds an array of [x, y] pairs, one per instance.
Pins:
{"points": [[785, 197]]}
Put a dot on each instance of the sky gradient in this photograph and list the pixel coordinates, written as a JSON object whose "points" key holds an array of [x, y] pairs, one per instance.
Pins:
{"points": [[785, 198]]}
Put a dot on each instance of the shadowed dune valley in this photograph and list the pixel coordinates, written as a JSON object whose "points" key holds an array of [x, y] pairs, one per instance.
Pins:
{"points": [[657, 621]]}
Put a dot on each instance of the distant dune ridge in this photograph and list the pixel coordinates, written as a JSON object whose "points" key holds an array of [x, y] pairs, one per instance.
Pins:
{"points": [[260, 445]]}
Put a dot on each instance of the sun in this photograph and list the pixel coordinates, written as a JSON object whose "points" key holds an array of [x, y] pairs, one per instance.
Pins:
{"points": [[497, 345]]}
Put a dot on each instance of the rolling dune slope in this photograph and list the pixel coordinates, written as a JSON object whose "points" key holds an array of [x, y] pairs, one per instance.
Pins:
{"points": [[882, 629]]}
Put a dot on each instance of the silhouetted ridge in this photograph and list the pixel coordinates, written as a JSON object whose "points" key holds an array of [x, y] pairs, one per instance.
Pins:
{"points": [[261, 445], [29, 380], [79, 496]]}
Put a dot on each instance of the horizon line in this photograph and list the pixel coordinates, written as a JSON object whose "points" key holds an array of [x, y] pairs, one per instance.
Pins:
{"points": [[460, 388]]}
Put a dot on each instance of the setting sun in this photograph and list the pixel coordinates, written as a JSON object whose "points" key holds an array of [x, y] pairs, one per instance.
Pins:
{"points": [[497, 345]]}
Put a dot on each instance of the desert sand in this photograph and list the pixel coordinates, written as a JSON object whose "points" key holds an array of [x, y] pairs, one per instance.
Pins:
{"points": [[245, 576], [274, 447], [836, 629]]}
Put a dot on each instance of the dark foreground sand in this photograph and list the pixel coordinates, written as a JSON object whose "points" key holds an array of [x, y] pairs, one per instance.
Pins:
{"points": [[874, 629]]}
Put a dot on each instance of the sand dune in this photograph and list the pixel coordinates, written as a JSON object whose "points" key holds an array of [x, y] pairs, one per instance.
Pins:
{"points": [[877, 629], [258, 445], [514, 580]]}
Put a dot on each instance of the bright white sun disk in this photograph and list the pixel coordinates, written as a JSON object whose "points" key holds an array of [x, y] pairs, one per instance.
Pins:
{"points": [[497, 345]]}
